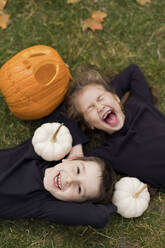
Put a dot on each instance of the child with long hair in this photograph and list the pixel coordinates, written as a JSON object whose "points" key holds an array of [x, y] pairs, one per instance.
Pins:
{"points": [[135, 143]]}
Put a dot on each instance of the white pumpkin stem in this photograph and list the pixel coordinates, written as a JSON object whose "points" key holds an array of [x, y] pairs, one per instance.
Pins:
{"points": [[136, 194], [56, 132]]}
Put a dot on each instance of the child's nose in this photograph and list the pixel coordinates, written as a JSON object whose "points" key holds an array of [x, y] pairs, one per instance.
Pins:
{"points": [[99, 106], [68, 180], [71, 179]]}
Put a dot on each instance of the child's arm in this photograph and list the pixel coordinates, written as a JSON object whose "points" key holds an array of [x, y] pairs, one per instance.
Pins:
{"points": [[74, 214], [76, 152], [132, 79]]}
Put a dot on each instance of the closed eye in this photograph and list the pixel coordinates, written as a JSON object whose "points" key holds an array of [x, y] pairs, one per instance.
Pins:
{"points": [[101, 98], [90, 107], [79, 189]]}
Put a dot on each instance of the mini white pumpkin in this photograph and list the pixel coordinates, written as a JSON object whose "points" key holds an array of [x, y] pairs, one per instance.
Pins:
{"points": [[131, 197], [52, 141]]}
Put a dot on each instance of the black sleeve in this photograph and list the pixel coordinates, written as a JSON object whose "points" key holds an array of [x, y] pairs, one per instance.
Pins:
{"points": [[23, 151], [103, 151], [58, 115], [74, 214], [132, 79]]}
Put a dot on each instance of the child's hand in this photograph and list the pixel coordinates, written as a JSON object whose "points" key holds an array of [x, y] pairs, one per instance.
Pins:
{"points": [[76, 152]]}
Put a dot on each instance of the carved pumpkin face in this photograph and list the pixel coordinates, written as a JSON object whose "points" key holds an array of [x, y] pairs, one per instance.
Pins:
{"points": [[34, 82]]}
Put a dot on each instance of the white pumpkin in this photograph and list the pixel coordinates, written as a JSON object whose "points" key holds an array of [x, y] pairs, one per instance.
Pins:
{"points": [[131, 197], [52, 141]]}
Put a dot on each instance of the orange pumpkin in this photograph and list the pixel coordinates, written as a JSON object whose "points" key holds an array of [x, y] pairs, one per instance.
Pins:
{"points": [[34, 82]]}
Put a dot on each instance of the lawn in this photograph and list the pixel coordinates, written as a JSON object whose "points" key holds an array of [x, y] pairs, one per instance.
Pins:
{"points": [[131, 33]]}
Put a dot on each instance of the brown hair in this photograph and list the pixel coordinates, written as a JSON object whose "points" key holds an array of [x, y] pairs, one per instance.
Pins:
{"points": [[86, 75], [108, 180]]}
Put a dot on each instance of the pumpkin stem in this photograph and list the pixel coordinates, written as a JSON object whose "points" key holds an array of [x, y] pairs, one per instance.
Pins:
{"points": [[56, 132], [136, 194]]}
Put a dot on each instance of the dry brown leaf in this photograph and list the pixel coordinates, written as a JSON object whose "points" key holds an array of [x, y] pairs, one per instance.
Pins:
{"points": [[99, 15], [92, 24], [2, 4], [73, 1], [4, 20], [143, 2]]}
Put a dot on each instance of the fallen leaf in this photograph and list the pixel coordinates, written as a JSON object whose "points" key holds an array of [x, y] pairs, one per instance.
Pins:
{"points": [[4, 20], [143, 2], [99, 15], [73, 1], [92, 24], [2, 4]]}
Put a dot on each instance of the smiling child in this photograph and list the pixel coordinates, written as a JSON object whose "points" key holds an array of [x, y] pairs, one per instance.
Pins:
{"points": [[136, 131], [74, 180], [100, 108], [64, 192]]}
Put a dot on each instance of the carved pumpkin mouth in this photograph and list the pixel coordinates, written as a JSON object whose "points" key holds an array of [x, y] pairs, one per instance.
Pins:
{"points": [[46, 72]]}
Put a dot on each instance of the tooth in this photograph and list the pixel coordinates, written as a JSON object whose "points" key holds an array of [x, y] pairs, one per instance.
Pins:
{"points": [[106, 114], [59, 181]]}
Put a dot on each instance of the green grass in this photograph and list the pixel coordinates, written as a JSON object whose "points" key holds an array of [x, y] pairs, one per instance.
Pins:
{"points": [[131, 34]]}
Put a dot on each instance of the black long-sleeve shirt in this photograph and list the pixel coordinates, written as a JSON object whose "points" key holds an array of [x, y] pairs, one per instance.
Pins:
{"points": [[138, 149], [22, 194]]}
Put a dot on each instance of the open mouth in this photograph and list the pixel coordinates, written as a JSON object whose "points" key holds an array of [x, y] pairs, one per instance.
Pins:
{"points": [[110, 118], [57, 181]]}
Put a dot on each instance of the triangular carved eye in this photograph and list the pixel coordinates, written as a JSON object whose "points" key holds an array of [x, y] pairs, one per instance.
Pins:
{"points": [[46, 72]]}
